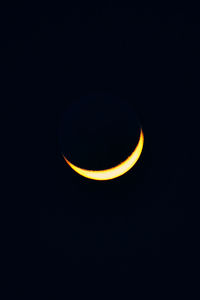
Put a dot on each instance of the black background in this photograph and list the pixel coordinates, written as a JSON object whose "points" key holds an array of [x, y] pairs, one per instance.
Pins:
{"points": [[56, 54]]}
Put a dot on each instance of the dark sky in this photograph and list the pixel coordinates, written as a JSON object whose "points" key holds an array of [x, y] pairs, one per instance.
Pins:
{"points": [[56, 54]]}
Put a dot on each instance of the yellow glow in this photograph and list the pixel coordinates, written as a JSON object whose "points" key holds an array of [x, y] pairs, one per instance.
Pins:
{"points": [[117, 171]]}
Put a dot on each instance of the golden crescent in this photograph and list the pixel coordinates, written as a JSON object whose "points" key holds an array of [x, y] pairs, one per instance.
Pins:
{"points": [[114, 172]]}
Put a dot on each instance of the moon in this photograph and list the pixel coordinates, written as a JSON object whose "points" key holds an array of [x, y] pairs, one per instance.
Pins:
{"points": [[116, 171]]}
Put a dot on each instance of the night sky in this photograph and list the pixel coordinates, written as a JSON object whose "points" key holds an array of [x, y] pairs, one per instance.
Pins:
{"points": [[146, 56]]}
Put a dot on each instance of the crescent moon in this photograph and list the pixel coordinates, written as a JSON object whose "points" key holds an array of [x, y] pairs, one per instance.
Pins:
{"points": [[114, 172]]}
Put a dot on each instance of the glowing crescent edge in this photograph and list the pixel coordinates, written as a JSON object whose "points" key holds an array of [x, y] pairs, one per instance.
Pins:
{"points": [[114, 172]]}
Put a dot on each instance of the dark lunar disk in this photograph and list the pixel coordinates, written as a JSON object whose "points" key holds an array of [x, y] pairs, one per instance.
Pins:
{"points": [[98, 132]]}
